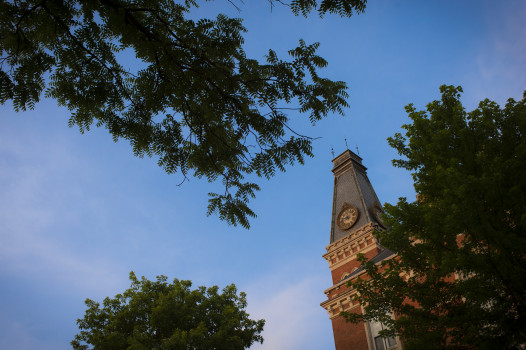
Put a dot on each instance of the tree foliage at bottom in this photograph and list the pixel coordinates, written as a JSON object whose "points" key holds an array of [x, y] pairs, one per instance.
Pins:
{"points": [[159, 315], [459, 278]]}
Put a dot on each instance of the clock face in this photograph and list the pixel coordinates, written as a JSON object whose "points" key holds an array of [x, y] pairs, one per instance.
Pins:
{"points": [[377, 214], [347, 217]]}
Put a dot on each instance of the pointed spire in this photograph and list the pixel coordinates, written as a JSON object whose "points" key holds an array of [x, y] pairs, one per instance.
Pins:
{"points": [[352, 189]]}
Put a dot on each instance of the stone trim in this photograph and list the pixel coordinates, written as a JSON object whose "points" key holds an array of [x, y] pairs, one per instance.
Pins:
{"points": [[342, 283], [340, 260], [345, 275], [347, 156], [353, 235], [342, 169], [345, 249], [342, 302]]}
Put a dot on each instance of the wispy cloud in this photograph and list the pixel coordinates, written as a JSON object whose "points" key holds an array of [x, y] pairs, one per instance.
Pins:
{"points": [[289, 302], [31, 204]]}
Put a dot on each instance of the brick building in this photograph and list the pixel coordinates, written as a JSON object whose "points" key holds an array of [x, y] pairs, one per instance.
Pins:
{"points": [[355, 219]]}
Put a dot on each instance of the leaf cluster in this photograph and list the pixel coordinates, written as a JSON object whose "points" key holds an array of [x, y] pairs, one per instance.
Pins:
{"points": [[343, 8], [161, 315], [181, 90], [459, 278]]}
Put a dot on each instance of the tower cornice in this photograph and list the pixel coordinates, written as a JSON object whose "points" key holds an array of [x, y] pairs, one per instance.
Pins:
{"points": [[346, 248], [343, 302]]}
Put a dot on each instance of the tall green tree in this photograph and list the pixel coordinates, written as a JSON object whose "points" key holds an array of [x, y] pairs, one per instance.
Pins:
{"points": [[191, 98], [459, 279], [170, 316]]}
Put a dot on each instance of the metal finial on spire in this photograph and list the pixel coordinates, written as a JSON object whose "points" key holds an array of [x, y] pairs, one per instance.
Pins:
{"points": [[332, 151], [357, 151], [346, 142]]}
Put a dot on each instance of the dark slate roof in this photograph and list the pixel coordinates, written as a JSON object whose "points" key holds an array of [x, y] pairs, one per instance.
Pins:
{"points": [[384, 254], [351, 186]]}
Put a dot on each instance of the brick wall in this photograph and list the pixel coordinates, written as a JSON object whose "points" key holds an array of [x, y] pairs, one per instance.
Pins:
{"points": [[348, 336]]}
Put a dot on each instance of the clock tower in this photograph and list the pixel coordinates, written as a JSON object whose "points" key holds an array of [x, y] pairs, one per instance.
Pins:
{"points": [[355, 220]]}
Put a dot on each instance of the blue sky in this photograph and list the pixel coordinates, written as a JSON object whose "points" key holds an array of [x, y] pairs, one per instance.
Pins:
{"points": [[79, 212]]}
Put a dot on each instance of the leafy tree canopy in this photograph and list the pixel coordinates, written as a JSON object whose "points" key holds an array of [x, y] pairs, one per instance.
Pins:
{"points": [[197, 102], [159, 315], [459, 279]]}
